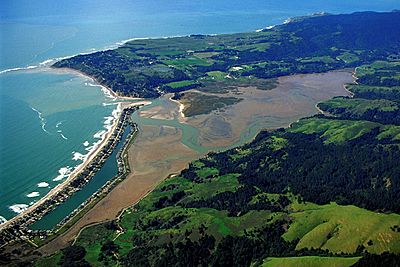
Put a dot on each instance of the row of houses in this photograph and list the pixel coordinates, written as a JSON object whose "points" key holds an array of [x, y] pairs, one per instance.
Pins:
{"points": [[19, 228]]}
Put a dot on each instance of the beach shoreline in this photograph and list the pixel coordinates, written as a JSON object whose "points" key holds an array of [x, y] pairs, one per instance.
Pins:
{"points": [[90, 155], [96, 83]]}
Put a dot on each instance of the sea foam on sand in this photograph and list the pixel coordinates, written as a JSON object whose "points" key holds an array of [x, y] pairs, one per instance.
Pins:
{"points": [[33, 194], [42, 184], [18, 208]]}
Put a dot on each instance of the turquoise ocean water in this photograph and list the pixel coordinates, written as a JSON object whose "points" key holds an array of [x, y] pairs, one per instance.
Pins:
{"points": [[48, 120]]}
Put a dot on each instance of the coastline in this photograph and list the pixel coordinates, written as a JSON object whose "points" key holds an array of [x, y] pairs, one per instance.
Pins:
{"points": [[90, 155], [107, 90]]}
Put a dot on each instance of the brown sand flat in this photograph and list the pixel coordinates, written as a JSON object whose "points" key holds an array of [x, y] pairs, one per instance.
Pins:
{"points": [[166, 111], [294, 98]]}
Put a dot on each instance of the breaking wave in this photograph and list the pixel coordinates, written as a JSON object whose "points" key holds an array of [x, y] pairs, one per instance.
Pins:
{"points": [[18, 69], [42, 184], [33, 194], [42, 120], [18, 208], [63, 173], [78, 156]]}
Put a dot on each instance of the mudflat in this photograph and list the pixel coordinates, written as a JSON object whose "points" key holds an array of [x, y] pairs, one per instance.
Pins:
{"points": [[158, 150], [294, 97]]}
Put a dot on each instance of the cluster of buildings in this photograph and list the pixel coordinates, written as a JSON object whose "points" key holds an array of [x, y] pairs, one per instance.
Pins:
{"points": [[18, 229]]}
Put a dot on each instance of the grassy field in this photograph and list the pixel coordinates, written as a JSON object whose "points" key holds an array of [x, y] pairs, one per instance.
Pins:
{"points": [[349, 57], [340, 131], [49, 261], [378, 67], [180, 83], [359, 106], [334, 131], [377, 91], [309, 261], [217, 75], [197, 103], [343, 228]]}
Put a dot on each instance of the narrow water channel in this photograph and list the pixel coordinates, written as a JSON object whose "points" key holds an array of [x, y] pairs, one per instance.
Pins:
{"points": [[107, 171]]}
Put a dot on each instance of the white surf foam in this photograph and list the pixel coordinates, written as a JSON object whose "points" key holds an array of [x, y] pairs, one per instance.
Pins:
{"points": [[109, 104], [18, 208], [18, 69], [59, 123], [78, 156], [33, 194], [42, 184], [107, 93], [63, 136], [42, 120], [47, 62], [2, 220], [63, 173], [99, 134], [287, 21], [90, 148], [116, 112], [86, 143], [92, 85], [109, 120]]}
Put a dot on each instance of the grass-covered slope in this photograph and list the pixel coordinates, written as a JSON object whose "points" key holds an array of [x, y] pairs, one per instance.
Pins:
{"points": [[310, 261], [377, 95], [148, 68]]}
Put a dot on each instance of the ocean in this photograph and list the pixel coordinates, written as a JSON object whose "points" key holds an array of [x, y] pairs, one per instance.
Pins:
{"points": [[49, 120]]}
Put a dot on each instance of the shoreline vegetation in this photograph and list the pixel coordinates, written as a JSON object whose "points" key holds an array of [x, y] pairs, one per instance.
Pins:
{"points": [[197, 60]]}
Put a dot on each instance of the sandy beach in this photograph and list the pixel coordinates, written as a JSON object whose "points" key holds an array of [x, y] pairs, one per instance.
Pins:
{"points": [[88, 157], [105, 89]]}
